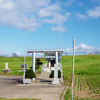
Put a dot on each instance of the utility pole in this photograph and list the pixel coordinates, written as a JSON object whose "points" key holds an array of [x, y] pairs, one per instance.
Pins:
{"points": [[25, 48], [73, 69]]}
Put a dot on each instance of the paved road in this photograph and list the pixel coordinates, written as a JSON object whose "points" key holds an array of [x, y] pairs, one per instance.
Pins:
{"points": [[12, 87]]}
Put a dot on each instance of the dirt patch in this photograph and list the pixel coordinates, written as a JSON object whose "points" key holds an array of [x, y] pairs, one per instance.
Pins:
{"points": [[83, 90]]}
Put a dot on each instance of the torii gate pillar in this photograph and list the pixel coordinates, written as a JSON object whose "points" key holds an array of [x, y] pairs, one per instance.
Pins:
{"points": [[33, 63], [56, 57]]}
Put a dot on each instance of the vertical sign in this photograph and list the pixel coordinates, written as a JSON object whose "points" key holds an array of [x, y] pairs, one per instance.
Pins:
{"points": [[44, 53]]}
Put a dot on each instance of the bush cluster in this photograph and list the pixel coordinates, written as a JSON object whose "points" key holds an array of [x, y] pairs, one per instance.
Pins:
{"points": [[52, 74], [30, 74]]}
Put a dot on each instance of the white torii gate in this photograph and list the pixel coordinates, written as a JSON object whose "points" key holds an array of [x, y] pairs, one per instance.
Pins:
{"points": [[42, 51]]}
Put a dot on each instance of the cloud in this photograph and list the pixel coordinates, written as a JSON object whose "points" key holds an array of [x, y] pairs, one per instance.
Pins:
{"points": [[49, 10], [62, 29], [83, 49], [94, 13], [91, 13], [6, 5], [13, 13], [80, 4], [55, 18], [80, 16], [9, 54], [96, 1], [69, 2]]}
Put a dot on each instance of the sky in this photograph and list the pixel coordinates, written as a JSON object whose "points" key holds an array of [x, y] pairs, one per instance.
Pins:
{"points": [[77, 18]]}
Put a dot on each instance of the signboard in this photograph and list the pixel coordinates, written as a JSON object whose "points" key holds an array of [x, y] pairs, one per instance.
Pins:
{"points": [[53, 54], [44, 53], [22, 66]]}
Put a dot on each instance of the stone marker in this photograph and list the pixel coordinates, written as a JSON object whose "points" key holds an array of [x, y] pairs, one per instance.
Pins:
{"points": [[26, 81], [60, 68], [56, 80], [42, 71], [6, 70], [6, 66], [45, 67]]}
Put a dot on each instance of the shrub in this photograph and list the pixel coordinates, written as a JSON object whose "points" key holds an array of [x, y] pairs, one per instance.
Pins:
{"points": [[52, 74], [30, 74]]}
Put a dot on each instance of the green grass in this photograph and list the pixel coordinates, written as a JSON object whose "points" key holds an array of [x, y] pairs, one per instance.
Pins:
{"points": [[14, 63], [86, 66], [82, 99], [67, 95]]}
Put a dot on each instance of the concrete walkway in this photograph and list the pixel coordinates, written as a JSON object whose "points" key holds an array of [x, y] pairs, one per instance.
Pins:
{"points": [[12, 87]]}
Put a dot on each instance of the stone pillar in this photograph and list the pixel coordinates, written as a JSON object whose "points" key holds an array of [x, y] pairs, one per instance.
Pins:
{"points": [[6, 65], [33, 64], [61, 73], [56, 57], [56, 80]]}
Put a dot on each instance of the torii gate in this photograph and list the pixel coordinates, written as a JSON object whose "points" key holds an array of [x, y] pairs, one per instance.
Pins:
{"points": [[56, 51]]}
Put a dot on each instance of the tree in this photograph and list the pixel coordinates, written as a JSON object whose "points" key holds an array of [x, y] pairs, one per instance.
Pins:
{"points": [[1, 56], [38, 63], [14, 55]]}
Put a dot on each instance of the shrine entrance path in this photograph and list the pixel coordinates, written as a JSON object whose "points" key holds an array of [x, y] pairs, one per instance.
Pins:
{"points": [[12, 87]]}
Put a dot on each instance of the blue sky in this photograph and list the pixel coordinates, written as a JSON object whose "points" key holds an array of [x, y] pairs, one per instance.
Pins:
{"points": [[80, 18]]}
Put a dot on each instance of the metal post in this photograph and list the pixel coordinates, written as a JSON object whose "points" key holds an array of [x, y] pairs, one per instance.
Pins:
{"points": [[60, 51], [73, 70], [25, 49]]}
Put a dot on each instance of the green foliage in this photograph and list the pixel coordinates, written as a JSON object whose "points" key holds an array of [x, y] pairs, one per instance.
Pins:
{"points": [[52, 74], [30, 74], [82, 99], [14, 55], [67, 95], [38, 63]]}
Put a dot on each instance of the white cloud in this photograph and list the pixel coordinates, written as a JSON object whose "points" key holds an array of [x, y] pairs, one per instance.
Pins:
{"points": [[55, 18], [91, 13], [13, 13], [83, 49], [80, 16], [8, 5], [69, 2], [96, 1], [80, 4], [62, 29], [95, 12], [49, 10], [9, 54], [1, 1]]}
